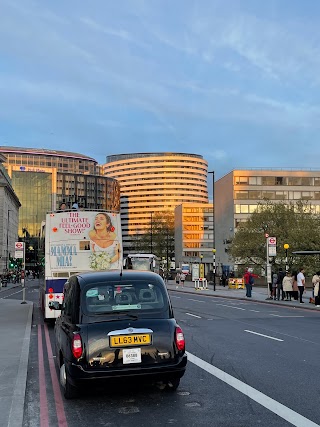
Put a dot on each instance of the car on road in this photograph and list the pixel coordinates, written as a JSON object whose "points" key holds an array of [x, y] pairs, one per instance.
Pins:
{"points": [[117, 325]]}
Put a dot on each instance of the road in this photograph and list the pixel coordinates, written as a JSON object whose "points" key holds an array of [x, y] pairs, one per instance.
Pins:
{"points": [[249, 364]]}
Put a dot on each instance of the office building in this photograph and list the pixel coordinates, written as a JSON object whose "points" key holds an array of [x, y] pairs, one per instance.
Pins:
{"points": [[155, 182], [9, 213], [194, 234], [238, 193], [43, 179]]}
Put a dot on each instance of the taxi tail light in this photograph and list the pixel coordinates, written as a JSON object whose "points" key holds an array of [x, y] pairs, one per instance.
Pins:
{"points": [[180, 341], [77, 346]]}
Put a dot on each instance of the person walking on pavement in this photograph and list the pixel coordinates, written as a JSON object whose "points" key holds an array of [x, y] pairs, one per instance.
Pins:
{"points": [[281, 275], [295, 289], [177, 280], [182, 279], [316, 284], [274, 286], [301, 281], [249, 281], [287, 285]]}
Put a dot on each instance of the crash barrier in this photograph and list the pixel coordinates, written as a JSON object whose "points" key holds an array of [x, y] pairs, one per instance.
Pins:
{"points": [[201, 284], [236, 283]]}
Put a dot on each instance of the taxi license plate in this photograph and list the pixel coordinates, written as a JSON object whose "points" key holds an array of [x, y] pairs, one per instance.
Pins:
{"points": [[130, 340]]}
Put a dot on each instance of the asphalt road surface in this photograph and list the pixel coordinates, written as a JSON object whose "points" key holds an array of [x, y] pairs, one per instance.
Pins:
{"points": [[250, 364]]}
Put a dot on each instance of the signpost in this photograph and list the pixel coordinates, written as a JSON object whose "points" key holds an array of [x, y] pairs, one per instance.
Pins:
{"points": [[19, 252]]}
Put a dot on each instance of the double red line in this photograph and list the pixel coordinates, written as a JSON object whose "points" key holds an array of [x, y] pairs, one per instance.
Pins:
{"points": [[58, 400]]}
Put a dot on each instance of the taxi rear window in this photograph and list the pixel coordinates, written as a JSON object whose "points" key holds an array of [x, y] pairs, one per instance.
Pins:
{"points": [[108, 298]]}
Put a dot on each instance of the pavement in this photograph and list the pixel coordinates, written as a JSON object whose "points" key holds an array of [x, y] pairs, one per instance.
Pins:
{"points": [[15, 330]]}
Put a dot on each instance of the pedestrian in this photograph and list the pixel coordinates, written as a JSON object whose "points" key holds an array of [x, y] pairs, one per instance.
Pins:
{"points": [[182, 279], [295, 289], [281, 275], [301, 281], [224, 280], [177, 280], [287, 285], [316, 284], [274, 286], [249, 281]]}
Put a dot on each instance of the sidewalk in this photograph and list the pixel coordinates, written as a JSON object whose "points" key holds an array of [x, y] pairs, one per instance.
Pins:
{"points": [[259, 294], [15, 328]]}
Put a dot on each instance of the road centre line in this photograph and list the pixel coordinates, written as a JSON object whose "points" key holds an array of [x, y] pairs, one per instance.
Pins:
{"points": [[279, 315], [230, 306], [274, 406], [262, 335], [196, 300], [194, 315], [255, 311]]}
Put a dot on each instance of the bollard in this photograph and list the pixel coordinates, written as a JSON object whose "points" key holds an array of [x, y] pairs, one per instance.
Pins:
{"points": [[23, 292]]}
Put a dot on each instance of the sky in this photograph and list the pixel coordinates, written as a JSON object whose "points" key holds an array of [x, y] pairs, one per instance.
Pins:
{"points": [[236, 81]]}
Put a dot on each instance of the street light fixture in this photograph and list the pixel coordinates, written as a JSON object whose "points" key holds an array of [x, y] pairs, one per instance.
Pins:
{"points": [[151, 248], [286, 247], [213, 234], [214, 268]]}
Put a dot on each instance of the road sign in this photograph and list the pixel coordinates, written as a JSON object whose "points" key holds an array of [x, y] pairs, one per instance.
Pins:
{"points": [[18, 246], [18, 254], [272, 246]]}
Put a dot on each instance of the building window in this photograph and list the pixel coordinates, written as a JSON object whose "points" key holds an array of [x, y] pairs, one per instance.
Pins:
{"points": [[268, 180], [240, 180], [281, 195], [241, 195], [267, 195], [254, 195], [279, 180]]}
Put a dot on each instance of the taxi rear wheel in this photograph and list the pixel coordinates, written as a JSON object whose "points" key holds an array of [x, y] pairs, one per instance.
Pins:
{"points": [[173, 384], [69, 390]]}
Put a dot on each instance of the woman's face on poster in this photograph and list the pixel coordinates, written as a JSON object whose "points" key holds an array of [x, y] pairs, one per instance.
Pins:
{"points": [[100, 222]]}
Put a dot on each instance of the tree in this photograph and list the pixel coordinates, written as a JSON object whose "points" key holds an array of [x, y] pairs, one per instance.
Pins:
{"points": [[294, 224], [162, 236]]}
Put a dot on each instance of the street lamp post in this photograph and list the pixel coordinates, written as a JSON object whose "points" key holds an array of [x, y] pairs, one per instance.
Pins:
{"points": [[151, 232], [214, 268], [213, 234], [286, 247]]}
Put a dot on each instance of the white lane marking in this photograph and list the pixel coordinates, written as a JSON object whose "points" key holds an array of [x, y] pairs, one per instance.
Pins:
{"points": [[196, 300], [262, 335], [7, 296], [230, 306], [279, 315], [174, 296], [274, 406], [255, 311], [193, 315]]}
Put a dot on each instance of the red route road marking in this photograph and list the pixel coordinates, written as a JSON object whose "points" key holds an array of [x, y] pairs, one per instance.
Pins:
{"points": [[44, 418], [61, 416]]}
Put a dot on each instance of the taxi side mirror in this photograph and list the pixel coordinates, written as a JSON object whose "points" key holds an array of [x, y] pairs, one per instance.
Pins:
{"points": [[55, 305]]}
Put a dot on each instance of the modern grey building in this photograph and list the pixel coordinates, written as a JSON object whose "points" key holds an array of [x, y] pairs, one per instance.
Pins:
{"points": [[238, 193]]}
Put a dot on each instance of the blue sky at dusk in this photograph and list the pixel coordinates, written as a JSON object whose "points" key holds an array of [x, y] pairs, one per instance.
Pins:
{"points": [[234, 81]]}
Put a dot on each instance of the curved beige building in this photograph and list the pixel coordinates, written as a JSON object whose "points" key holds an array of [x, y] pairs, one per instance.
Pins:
{"points": [[155, 182]]}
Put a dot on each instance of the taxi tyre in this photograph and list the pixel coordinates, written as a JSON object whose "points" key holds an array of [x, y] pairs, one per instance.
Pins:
{"points": [[69, 390], [172, 384]]}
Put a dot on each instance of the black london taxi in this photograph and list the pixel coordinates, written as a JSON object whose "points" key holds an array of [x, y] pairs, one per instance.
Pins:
{"points": [[117, 325]]}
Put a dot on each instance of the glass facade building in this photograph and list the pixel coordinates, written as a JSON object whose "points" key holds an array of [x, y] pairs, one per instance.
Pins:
{"points": [[43, 179]]}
